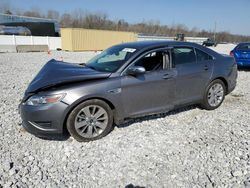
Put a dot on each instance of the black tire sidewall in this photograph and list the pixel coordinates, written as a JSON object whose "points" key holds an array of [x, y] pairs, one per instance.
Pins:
{"points": [[205, 104], [71, 120]]}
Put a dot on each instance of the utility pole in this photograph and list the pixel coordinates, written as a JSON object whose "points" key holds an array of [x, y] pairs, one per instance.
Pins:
{"points": [[215, 24]]}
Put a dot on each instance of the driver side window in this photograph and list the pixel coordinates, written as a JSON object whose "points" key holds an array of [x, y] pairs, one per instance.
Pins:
{"points": [[153, 61]]}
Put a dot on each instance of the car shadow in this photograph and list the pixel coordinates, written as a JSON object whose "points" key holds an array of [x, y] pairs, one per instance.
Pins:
{"points": [[66, 135], [63, 137], [156, 116], [133, 186], [243, 69]]}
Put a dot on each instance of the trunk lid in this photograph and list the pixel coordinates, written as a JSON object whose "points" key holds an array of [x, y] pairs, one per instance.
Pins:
{"points": [[242, 54]]}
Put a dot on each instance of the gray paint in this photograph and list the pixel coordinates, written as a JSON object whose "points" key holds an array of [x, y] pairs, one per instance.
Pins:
{"points": [[131, 96]]}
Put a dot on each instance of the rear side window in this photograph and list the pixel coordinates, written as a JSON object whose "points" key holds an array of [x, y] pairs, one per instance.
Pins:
{"points": [[245, 46], [202, 56], [183, 55]]}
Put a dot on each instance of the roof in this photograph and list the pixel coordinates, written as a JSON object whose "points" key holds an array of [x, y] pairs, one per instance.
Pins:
{"points": [[154, 43], [147, 45]]}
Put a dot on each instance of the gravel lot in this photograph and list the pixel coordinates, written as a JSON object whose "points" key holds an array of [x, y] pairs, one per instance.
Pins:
{"points": [[188, 147]]}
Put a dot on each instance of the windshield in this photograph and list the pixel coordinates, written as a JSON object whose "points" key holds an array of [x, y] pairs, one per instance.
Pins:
{"points": [[245, 46], [111, 59]]}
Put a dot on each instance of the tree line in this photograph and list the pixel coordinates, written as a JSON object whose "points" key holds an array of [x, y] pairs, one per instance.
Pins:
{"points": [[88, 20]]}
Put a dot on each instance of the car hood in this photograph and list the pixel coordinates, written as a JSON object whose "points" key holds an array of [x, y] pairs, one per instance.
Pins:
{"points": [[57, 73]]}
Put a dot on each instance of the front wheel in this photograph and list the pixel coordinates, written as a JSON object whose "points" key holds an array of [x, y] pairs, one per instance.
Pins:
{"points": [[214, 95], [90, 120]]}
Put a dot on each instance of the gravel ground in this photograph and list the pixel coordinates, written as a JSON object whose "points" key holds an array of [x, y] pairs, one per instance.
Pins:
{"points": [[188, 147]]}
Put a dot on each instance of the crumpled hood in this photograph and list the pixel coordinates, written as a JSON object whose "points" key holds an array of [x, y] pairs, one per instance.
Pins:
{"points": [[58, 72]]}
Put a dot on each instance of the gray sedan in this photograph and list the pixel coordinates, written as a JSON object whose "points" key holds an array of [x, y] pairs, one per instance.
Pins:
{"points": [[125, 81]]}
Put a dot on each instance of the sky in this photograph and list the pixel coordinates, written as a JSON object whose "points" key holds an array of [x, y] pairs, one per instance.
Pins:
{"points": [[230, 15]]}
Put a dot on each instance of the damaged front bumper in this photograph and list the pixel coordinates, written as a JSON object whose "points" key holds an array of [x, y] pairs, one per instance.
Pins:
{"points": [[43, 120]]}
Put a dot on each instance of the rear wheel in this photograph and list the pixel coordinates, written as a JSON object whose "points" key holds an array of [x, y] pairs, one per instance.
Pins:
{"points": [[214, 95], [90, 120]]}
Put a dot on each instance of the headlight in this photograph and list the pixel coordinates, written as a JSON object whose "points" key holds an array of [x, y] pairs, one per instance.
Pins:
{"points": [[44, 99]]}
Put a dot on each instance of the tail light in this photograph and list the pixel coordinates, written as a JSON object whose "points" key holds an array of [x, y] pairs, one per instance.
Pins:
{"points": [[231, 54]]}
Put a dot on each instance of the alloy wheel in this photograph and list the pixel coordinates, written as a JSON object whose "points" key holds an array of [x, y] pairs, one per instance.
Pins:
{"points": [[215, 95], [91, 121]]}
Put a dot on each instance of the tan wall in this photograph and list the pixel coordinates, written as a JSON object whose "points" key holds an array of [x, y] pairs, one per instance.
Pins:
{"points": [[90, 40], [66, 39]]}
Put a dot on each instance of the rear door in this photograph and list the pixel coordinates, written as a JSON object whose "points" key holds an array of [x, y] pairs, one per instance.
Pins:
{"points": [[194, 68], [153, 91]]}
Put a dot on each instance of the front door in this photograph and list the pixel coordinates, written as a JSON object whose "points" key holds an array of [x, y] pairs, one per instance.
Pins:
{"points": [[153, 91]]}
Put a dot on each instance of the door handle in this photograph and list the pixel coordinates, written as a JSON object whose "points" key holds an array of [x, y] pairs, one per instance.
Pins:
{"points": [[206, 68]]}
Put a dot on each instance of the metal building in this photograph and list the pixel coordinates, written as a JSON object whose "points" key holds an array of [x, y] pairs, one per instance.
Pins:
{"points": [[76, 39], [37, 26]]}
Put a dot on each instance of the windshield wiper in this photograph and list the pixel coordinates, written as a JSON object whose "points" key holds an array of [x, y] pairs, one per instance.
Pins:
{"points": [[92, 67], [83, 64]]}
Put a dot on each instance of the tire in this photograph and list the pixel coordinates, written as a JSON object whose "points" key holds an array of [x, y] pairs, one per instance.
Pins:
{"points": [[208, 102], [83, 120]]}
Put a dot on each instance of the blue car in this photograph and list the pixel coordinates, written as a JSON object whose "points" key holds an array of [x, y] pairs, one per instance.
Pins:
{"points": [[241, 53]]}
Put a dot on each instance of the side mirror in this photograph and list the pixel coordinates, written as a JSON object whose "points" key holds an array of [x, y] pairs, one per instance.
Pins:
{"points": [[136, 70]]}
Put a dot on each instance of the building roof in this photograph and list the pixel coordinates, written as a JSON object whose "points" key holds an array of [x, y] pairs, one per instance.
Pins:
{"points": [[26, 17]]}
